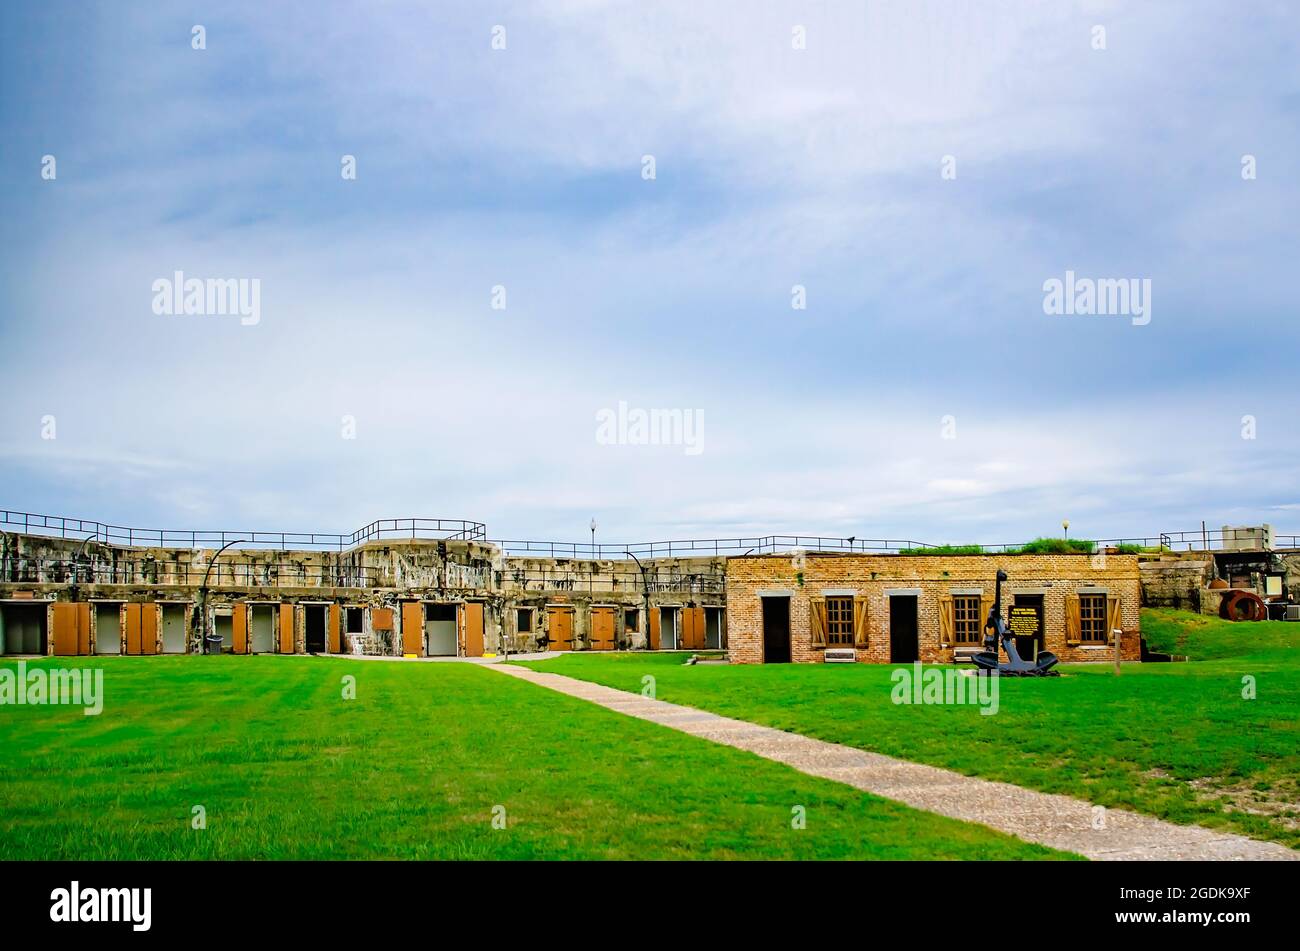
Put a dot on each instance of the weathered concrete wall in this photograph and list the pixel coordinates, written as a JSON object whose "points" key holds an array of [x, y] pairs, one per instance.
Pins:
{"points": [[1175, 583]]}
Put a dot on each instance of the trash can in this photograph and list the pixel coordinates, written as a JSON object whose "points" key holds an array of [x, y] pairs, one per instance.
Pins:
{"points": [[212, 644]]}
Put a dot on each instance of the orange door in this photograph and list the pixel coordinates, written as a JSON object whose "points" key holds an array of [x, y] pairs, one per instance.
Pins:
{"points": [[71, 628], [286, 629], [149, 628], [473, 629], [693, 625], [239, 628], [335, 646], [560, 628], [83, 627], [602, 629], [413, 628], [131, 616], [654, 628]]}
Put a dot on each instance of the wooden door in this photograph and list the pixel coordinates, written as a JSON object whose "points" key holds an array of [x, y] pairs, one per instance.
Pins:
{"points": [[653, 621], [71, 628], [560, 628], [472, 613], [131, 618], [286, 629], [239, 628], [602, 629], [335, 638], [149, 627], [693, 629], [413, 628]]}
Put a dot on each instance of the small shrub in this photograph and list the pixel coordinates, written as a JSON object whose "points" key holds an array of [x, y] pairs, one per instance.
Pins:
{"points": [[943, 550]]}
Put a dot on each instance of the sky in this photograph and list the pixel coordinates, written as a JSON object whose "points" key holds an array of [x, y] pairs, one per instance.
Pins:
{"points": [[921, 170]]}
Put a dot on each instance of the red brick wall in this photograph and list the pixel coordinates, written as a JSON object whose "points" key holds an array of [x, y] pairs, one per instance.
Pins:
{"points": [[1055, 576]]}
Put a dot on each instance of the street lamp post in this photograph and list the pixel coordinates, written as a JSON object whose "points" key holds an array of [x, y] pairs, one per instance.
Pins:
{"points": [[203, 592], [645, 588]]}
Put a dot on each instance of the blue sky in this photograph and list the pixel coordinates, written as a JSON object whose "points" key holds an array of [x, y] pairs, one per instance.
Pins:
{"points": [[774, 167]]}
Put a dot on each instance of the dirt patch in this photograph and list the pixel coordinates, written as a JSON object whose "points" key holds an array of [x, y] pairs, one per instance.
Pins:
{"points": [[1280, 802]]}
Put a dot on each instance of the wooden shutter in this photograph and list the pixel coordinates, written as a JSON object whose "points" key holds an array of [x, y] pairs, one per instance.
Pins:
{"points": [[1072, 624], [859, 622], [381, 619], [239, 627], [335, 623], [947, 621], [817, 618], [150, 627], [67, 637], [985, 606], [473, 629], [413, 628], [1114, 619], [654, 629], [286, 629], [694, 617]]}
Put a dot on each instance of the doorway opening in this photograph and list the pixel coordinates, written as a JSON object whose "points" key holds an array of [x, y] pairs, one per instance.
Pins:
{"points": [[669, 628], [223, 623], [904, 647], [440, 630], [108, 628], [261, 623], [23, 629], [776, 630], [314, 627], [715, 637]]}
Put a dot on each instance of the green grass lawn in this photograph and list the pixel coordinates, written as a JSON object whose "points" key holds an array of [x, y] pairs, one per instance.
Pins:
{"points": [[412, 768], [1177, 741]]}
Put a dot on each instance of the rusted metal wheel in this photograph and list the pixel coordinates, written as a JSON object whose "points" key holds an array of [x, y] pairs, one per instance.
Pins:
{"points": [[1243, 606]]}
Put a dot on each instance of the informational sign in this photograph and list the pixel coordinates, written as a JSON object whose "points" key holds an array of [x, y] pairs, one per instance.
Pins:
{"points": [[1025, 620]]}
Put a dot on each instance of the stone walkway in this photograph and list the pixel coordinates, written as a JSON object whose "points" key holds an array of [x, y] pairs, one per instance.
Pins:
{"points": [[1057, 821]]}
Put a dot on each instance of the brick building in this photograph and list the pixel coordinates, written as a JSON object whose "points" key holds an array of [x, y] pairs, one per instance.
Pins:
{"points": [[901, 608]]}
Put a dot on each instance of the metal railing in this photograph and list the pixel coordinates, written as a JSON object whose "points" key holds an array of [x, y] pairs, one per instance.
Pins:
{"points": [[699, 548], [1232, 539], [442, 529], [151, 572], [57, 526]]}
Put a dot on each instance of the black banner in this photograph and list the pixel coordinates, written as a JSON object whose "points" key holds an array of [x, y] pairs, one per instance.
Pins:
{"points": [[131, 901]]}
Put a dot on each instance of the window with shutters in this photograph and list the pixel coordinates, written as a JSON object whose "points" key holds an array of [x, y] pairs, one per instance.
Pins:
{"points": [[1092, 618], [839, 621], [966, 618]]}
